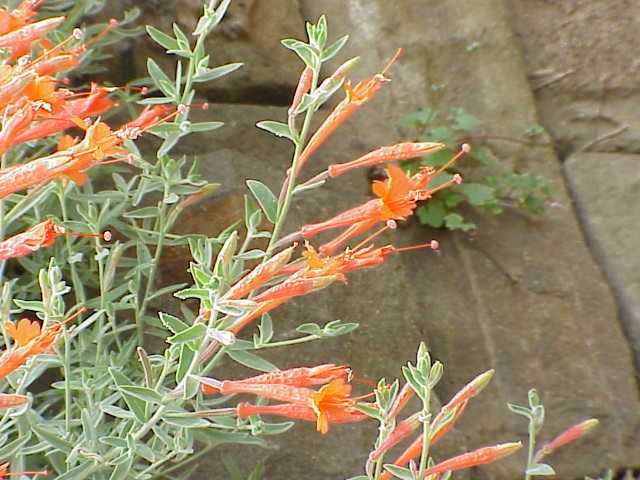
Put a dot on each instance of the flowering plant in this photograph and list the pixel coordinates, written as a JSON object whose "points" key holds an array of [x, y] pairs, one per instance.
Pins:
{"points": [[114, 410]]}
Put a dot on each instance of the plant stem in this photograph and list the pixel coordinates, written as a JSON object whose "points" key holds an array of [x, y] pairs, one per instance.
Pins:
{"points": [[426, 433], [532, 447], [67, 383], [78, 289], [283, 209]]}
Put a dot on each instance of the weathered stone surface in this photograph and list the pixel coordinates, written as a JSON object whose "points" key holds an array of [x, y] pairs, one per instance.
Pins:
{"points": [[604, 203], [523, 295], [595, 92]]}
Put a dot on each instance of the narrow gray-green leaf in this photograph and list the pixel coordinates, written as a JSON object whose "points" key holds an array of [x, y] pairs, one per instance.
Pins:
{"points": [[265, 198], [213, 73], [277, 128], [252, 360]]}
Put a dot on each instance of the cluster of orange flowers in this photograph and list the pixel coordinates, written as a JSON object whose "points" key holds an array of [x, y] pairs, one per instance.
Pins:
{"points": [[36, 102], [396, 199]]}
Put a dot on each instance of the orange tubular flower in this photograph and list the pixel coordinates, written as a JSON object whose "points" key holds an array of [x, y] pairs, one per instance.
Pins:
{"points": [[355, 98], [298, 286], [297, 377], [4, 472], [13, 124], [569, 435], [276, 391], [414, 450], [472, 459], [301, 412], [304, 84], [402, 431], [12, 84], [397, 199], [21, 40], [470, 390], [94, 104], [260, 275], [39, 236], [11, 400], [30, 340], [397, 152], [332, 400], [262, 308]]}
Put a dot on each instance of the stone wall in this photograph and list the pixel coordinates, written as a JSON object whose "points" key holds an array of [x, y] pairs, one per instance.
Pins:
{"points": [[522, 295]]}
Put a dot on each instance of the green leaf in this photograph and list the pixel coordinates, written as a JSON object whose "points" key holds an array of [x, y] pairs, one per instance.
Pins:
{"points": [[257, 472], [205, 126], [79, 472], [145, 212], [304, 51], [172, 323], [275, 428], [186, 357], [251, 360], [455, 221], [368, 410], [400, 472], [123, 468], [310, 329], [145, 394], [232, 468], [160, 79], [333, 49], [9, 450], [192, 335], [186, 422], [217, 72], [117, 412], [461, 120], [478, 194], [137, 406], [431, 214], [52, 437], [277, 128], [265, 198], [517, 409], [540, 469], [162, 39]]}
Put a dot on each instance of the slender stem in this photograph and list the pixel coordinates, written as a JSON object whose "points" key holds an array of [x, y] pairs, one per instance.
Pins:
{"points": [[156, 464], [67, 383], [532, 447], [283, 209], [294, 341], [426, 434], [78, 288]]}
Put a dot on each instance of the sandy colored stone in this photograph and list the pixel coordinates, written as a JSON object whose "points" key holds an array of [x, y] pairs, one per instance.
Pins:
{"points": [[607, 207], [593, 47]]}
